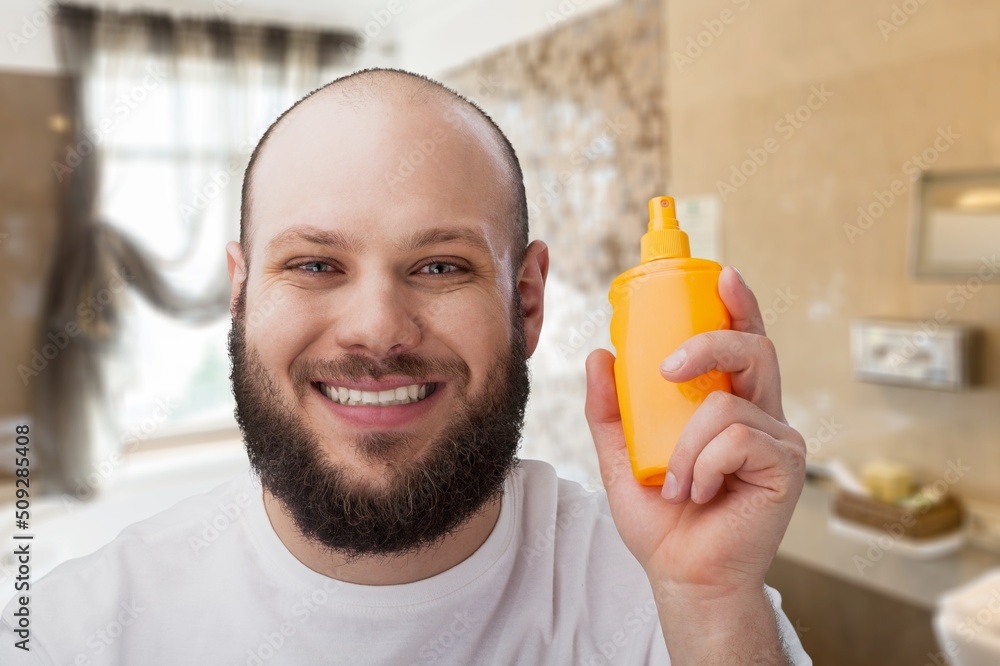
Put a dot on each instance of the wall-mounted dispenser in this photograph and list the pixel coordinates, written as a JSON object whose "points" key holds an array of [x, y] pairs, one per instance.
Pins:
{"points": [[922, 354]]}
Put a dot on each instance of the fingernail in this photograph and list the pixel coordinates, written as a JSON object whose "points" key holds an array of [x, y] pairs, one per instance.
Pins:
{"points": [[694, 492], [670, 486], [740, 276], [673, 362]]}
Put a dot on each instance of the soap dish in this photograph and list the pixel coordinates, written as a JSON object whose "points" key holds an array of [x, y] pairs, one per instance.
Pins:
{"points": [[922, 549], [917, 523]]}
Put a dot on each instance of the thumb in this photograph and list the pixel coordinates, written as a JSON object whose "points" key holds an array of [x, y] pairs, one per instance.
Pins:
{"points": [[741, 302], [604, 417]]}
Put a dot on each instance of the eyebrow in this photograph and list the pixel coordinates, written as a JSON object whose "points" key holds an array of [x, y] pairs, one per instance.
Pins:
{"points": [[355, 244], [427, 237], [318, 236]]}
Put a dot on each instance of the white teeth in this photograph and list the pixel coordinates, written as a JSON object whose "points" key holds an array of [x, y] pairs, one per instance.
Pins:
{"points": [[402, 395]]}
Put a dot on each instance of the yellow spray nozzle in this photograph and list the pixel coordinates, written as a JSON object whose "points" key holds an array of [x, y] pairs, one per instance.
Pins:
{"points": [[664, 238], [662, 214]]}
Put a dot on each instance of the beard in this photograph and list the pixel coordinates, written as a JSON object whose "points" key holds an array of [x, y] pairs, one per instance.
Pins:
{"points": [[423, 498]]}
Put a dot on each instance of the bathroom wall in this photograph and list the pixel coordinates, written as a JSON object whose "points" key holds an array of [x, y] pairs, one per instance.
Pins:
{"points": [[583, 107], [886, 81], [27, 221], [436, 36], [869, 86]]}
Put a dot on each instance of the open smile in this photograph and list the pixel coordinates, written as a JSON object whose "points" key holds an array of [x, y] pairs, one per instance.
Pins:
{"points": [[400, 395], [390, 407]]}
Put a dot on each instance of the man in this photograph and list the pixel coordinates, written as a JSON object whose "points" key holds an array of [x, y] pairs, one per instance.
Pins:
{"points": [[381, 401]]}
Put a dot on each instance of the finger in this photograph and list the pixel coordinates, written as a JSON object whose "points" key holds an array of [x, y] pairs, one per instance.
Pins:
{"points": [[753, 456], [604, 418], [719, 411], [750, 360], [740, 301]]}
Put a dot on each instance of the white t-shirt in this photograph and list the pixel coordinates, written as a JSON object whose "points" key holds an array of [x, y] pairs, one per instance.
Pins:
{"points": [[209, 582]]}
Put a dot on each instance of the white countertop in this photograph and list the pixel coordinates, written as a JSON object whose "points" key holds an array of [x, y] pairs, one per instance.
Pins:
{"points": [[809, 542]]}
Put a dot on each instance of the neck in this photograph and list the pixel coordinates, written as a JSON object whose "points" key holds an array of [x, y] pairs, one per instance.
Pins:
{"points": [[384, 569]]}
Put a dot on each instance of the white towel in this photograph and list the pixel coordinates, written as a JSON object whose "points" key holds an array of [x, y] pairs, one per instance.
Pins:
{"points": [[967, 622]]}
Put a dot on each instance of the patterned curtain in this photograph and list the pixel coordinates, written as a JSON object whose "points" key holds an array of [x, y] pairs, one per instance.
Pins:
{"points": [[208, 88]]}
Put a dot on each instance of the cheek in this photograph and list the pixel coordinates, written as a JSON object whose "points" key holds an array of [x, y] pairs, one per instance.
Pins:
{"points": [[477, 332], [280, 326]]}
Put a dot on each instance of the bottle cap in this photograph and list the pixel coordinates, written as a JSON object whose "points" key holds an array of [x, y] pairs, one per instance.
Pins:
{"points": [[664, 238]]}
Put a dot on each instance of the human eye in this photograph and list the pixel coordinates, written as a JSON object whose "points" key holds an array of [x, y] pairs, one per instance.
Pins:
{"points": [[313, 266], [439, 267]]}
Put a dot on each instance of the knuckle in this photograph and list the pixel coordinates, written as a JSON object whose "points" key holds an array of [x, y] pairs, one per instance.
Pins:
{"points": [[766, 347], [680, 459], [702, 468], [797, 454], [740, 434], [720, 402]]}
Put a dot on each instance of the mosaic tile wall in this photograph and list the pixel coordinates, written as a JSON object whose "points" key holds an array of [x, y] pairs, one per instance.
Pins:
{"points": [[583, 106]]}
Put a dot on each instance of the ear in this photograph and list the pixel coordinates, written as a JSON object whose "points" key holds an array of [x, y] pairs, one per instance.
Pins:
{"points": [[531, 285], [237, 272]]}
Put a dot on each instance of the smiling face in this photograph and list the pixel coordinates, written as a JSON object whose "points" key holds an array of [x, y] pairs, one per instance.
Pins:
{"points": [[380, 340]]}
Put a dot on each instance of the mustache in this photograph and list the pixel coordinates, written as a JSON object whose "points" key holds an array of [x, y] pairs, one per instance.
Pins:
{"points": [[361, 366]]}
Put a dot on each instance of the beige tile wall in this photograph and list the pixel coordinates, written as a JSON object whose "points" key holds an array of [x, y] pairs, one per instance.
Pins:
{"points": [[892, 91]]}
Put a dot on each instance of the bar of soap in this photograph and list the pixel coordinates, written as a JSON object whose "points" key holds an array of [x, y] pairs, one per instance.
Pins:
{"points": [[887, 481]]}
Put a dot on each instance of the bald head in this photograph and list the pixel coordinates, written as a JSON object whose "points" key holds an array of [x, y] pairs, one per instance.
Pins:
{"points": [[421, 114]]}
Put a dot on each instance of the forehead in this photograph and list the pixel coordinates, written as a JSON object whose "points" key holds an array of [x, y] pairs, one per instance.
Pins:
{"points": [[382, 169]]}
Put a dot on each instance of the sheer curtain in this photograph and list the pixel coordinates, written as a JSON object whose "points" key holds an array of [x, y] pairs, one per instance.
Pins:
{"points": [[168, 110]]}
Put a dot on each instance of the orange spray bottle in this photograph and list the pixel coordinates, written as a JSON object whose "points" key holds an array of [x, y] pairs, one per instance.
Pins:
{"points": [[657, 305]]}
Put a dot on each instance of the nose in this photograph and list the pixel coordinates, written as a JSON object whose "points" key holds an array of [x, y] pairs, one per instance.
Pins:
{"points": [[375, 316]]}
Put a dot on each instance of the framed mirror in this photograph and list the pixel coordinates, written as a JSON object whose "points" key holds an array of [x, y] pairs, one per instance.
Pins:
{"points": [[955, 223]]}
